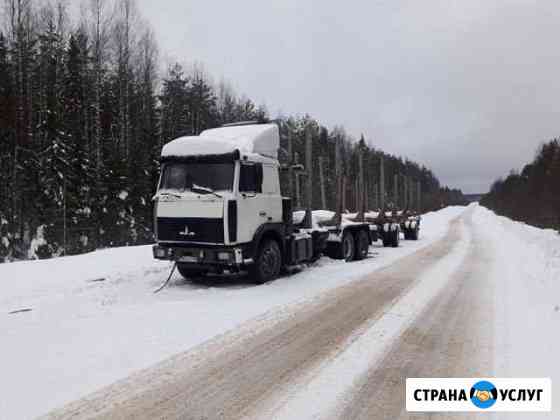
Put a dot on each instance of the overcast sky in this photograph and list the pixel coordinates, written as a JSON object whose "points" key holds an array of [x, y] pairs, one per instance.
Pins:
{"points": [[470, 88]]}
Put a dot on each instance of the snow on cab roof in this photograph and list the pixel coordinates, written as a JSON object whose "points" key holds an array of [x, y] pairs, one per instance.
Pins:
{"points": [[262, 139]]}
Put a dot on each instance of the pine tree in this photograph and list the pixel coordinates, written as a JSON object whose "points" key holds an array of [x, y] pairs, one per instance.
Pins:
{"points": [[81, 170], [202, 107], [174, 106]]}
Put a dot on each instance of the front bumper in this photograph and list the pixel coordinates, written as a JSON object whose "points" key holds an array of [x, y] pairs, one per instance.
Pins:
{"points": [[215, 256]]}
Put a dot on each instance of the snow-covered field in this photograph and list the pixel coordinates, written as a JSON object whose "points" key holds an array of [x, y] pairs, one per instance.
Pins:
{"points": [[94, 319]]}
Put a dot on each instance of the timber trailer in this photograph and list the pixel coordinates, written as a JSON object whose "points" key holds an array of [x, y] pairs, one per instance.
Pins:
{"points": [[389, 224], [218, 209]]}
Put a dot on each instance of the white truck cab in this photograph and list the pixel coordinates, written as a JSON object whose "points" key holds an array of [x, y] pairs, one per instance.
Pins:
{"points": [[218, 205]]}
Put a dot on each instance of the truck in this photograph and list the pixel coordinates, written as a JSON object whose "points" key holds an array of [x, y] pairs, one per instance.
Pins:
{"points": [[219, 209]]}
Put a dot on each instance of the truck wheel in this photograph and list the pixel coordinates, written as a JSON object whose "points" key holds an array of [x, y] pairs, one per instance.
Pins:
{"points": [[268, 262], [188, 273], [396, 236], [414, 234], [348, 246], [362, 245]]}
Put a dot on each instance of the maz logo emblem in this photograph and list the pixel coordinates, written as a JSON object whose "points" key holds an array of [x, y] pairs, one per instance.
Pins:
{"points": [[186, 232]]}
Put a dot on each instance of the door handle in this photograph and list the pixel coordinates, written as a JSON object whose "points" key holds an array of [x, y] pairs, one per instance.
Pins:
{"points": [[262, 213]]}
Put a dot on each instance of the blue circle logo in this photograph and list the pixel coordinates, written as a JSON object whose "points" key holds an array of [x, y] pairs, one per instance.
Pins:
{"points": [[483, 394]]}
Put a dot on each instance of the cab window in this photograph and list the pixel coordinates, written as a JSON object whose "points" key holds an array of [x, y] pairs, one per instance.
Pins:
{"points": [[250, 177]]}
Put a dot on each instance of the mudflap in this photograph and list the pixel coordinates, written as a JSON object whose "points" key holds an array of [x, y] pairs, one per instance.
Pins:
{"points": [[319, 244]]}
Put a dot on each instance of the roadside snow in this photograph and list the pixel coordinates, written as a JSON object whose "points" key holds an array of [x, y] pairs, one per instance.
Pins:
{"points": [[93, 319], [527, 299]]}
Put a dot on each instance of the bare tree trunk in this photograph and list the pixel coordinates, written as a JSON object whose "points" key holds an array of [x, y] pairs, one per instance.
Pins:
{"points": [[382, 183], [344, 182], [356, 194], [290, 164], [360, 190], [396, 190], [339, 183], [19, 12], [97, 7], [124, 42], [411, 193], [309, 172], [297, 190], [405, 193], [366, 197], [419, 191], [322, 181]]}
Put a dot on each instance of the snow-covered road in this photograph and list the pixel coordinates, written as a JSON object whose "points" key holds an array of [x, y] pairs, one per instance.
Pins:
{"points": [[335, 340]]}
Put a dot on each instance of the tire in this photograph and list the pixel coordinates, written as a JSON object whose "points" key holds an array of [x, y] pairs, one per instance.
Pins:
{"points": [[395, 238], [387, 239], [348, 247], [268, 263], [188, 273], [414, 234], [362, 245]]}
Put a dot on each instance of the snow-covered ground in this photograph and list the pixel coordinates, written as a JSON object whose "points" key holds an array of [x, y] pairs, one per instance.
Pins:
{"points": [[526, 286], [94, 319]]}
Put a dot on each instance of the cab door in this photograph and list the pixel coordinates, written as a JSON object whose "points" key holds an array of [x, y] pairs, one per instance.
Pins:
{"points": [[256, 205]]}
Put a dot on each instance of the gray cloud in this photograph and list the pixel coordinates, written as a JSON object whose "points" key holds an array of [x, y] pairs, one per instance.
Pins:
{"points": [[468, 88]]}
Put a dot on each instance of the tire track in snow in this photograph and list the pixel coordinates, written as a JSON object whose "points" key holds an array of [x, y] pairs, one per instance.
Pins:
{"points": [[452, 337]]}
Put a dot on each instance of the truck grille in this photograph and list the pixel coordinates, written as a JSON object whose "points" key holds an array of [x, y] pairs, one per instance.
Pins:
{"points": [[190, 229]]}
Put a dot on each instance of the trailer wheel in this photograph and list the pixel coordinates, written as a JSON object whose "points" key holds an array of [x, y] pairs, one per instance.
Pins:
{"points": [[387, 238], [188, 273], [362, 245], [396, 236], [348, 246], [268, 262], [414, 234]]}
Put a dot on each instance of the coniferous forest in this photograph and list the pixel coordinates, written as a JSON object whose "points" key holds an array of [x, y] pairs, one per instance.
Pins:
{"points": [[532, 195], [85, 107]]}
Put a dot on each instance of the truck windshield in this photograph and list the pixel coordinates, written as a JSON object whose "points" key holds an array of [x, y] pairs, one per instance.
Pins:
{"points": [[185, 176]]}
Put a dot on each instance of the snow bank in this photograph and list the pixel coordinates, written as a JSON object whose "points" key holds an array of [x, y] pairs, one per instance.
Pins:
{"points": [[93, 318], [527, 297], [263, 139]]}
